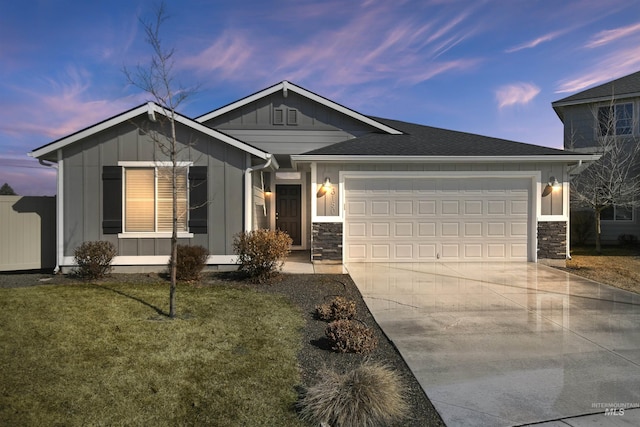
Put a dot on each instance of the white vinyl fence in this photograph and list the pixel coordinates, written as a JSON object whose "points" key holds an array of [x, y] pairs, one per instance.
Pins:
{"points": [[27, 233]]}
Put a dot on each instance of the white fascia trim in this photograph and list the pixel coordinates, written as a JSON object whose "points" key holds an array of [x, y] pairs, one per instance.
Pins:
{"points": [[285, 85], [147, 109], [304, 158], [151, 164], [599, 99], [90, 131], [154, 235], [158, 260]]}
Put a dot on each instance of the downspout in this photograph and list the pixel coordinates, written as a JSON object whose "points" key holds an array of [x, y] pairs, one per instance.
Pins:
{"points": [[248, 193], [59, 218]]}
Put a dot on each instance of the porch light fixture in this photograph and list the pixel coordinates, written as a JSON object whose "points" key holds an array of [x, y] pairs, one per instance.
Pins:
{"points": [[267, 191], [551, 186], [326, 186]]}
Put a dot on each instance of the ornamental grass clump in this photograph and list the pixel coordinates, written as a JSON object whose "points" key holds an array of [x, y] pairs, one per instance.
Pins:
{"points": [[338, 308], [94, 259], [370, 395], [262, 253], [350, 336]]}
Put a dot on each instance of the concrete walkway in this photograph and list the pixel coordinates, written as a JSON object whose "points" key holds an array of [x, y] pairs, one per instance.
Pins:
{"points": [[511, 343], [299, 262]]}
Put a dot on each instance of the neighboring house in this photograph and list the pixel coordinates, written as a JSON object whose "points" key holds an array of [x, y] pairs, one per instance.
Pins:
{"points": [[346, 186], [612, 108]]}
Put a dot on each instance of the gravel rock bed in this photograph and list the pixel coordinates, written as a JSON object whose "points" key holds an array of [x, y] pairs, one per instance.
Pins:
{"points": [[304, 292]]}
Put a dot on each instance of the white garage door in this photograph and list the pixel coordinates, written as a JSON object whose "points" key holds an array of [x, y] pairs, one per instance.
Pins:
{"points": [[429, 219]]}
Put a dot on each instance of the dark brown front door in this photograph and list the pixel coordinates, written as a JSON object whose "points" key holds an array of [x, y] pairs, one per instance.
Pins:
{"points": [[288, 215]]}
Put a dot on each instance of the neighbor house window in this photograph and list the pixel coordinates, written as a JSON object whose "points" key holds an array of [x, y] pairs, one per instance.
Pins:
{"points": [[617, 213], [616, 119], [148, 199]]}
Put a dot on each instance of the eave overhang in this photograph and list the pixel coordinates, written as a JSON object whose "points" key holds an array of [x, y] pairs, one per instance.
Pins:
{"points": [[150, 109], [567, 159], [285, 87]]}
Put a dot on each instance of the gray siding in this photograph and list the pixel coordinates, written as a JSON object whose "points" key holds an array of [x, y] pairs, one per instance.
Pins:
{"points": [[317, 125], [580, 132], [83, 162]]}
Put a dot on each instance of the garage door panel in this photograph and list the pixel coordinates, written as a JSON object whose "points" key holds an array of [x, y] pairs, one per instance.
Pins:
{"points": [[422, 219], [380, 229]]}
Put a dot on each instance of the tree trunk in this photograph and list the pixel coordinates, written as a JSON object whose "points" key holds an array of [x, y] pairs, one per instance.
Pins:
{"points": [[598, 232], [174, 222]]}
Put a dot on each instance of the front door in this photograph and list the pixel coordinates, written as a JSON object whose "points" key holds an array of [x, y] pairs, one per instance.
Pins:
{"points": [[288, 212]]}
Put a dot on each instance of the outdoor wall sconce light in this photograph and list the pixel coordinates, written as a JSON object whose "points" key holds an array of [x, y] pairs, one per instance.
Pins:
{"points": [[326, 186], [267, 191], [551, 186]]}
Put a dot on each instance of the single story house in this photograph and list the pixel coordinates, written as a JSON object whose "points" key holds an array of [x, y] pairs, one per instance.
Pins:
{"points": [[344, 185]]}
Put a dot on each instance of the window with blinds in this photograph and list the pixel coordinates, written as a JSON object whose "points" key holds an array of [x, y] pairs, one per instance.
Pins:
{"points": [[148, 200]]}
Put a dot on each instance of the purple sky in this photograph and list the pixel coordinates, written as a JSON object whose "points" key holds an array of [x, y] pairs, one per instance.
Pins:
{"points": [[486, 67]]}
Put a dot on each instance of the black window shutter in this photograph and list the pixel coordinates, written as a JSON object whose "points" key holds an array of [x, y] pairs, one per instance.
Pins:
{"points": [[198, 207], [111, 199]]}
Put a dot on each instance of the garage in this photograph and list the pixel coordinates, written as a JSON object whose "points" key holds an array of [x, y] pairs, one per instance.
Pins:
{"points": [[413, 219]]}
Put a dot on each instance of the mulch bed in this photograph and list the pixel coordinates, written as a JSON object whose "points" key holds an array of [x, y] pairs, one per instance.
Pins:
{"points": [[305, 292]]}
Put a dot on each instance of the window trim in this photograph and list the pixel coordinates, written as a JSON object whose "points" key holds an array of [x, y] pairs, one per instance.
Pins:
{"points": [[615, 217], [151, 234], [613, 108]]}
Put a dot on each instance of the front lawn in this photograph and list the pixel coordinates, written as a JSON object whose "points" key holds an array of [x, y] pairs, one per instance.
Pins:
{"points": [[617, 266], [104, 354]]}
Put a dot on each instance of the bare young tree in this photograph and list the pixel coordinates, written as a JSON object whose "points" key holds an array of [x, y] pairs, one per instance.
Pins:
{"points": [[614, 180], [157, 79]]}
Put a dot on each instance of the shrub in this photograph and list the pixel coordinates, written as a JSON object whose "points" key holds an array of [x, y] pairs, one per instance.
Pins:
{"points": [[191, 261], [350, 336], [94, 259], [628, 239], [262, 252], [338, 308], [582, 226], [370, 395]]}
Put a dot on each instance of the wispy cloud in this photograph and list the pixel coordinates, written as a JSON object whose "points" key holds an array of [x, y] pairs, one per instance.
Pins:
{"points": [[616, 64], [373, 44], [535, 42], [608, 36], [516, 93]]}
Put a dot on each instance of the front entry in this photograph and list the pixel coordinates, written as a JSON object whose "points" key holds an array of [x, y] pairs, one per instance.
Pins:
{"points": [[288, 211]]}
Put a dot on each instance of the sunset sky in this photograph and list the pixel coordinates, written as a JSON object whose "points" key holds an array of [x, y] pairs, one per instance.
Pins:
{"points": [[486, 67]]}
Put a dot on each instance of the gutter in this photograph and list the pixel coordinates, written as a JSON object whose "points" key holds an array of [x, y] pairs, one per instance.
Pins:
{"points": [[248, 194]]}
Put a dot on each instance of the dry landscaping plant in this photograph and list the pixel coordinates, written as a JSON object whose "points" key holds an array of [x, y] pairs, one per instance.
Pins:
{"points": [[370, 395], [190, 262], [350, 336], [94, 259], [262, 252], [338, 308]]}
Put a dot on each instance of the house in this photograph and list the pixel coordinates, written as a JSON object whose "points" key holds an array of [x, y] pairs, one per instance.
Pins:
{"points": [[610, 109], [346, 186]]}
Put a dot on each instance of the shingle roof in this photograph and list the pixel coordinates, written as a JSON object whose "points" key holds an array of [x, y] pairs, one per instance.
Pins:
{"points": [[619, 87], [419, 140]]}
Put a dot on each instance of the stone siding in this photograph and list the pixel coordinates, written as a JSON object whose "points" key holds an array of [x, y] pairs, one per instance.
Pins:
{"points": [[326, 242], [552, 240]]}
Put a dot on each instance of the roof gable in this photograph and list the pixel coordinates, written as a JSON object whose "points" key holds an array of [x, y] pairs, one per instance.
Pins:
{"points": [[624, 87], [151, 109], [286, 87]]}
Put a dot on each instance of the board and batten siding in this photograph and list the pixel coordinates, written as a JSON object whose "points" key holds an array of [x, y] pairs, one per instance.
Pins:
{"points": [[83, 163], [316, 125], [28, 230]]}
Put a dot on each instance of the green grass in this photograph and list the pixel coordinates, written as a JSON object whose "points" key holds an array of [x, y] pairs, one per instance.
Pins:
{"points": [[103, 355]]}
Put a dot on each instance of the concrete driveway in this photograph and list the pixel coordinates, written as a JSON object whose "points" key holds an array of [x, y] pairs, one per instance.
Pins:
{"points": [[502, 344]]}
